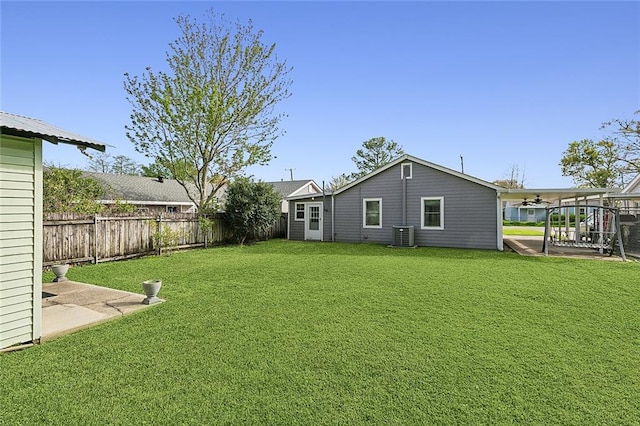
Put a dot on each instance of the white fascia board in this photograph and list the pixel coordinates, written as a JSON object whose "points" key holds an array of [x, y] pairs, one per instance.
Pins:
{"points": [[310, 182], [305, 196]]}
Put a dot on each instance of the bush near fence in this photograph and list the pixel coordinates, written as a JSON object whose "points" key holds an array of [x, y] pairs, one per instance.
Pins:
{"points": [[78, 238]]}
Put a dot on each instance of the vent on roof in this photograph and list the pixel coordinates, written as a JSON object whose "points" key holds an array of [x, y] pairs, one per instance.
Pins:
{"points": [[403, 236]]}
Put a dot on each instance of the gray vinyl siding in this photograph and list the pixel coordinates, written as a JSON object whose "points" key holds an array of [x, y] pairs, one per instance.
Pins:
{"points": [[326, 221], [470, 209], [348, 205], [20, 240], [296, 227]]}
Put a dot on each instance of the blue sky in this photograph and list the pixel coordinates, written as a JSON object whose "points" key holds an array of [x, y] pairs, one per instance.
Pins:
{"points": [[499, 83]]}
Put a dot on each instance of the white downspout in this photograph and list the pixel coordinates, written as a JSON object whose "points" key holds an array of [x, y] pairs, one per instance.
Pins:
{"points": [[499, 232], [289, 218], [333, 217]]}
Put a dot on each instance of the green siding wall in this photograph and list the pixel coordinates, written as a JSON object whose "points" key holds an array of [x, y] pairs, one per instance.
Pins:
{"points": [[20, 240]]}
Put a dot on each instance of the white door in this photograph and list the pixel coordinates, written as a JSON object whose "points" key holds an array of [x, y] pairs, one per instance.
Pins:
{"points": [[313, 222], [531, 215]]}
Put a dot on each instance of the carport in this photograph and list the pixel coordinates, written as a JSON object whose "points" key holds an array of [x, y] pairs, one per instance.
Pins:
{"points": [[566, 239]]}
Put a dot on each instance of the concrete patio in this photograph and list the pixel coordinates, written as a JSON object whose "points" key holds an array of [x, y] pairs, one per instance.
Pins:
{"points": [[69, 306], [532, 246]]}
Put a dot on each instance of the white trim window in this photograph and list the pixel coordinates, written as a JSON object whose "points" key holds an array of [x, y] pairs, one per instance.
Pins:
{"points": [[432, 212], [372, 212], [406, 170], [300, 211]]}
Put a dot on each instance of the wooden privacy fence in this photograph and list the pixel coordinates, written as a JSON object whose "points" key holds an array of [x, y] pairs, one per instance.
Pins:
{"points": [[76, 238]]}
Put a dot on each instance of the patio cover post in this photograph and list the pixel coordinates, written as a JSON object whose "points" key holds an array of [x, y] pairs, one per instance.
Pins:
{"points": [[545, 243]]}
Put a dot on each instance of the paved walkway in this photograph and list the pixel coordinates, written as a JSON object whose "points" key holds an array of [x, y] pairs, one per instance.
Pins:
{"points": [[69, 306]]}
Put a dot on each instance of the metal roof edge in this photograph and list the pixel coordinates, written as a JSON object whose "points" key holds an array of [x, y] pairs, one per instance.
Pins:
{"points": [[29, 127], [425, 163], [372, 174], [461, 175]]}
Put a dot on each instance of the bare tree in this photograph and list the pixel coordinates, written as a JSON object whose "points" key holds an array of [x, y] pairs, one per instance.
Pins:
{"points": [[513, 178], [99, 162], [626, 135]]}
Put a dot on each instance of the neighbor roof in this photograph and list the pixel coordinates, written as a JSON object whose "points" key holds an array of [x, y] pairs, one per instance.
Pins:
{"points": [[633, 185], [142, 189], [630, 192], [287, 188], [18, 125]]}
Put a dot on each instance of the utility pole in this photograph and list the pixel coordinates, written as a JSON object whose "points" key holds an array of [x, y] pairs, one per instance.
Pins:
{"points": [[462, 163], [290, 172]]}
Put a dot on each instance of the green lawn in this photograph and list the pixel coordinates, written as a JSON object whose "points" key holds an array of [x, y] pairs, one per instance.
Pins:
{"points": [[326, 333], [521, 231]]}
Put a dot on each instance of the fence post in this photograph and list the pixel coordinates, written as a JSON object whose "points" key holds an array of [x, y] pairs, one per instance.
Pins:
{"points": [[205, 229], [95, 238], [159, 233]]}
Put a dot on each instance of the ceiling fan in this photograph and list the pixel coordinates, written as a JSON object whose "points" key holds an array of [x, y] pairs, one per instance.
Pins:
{"points": [[535, 201]]}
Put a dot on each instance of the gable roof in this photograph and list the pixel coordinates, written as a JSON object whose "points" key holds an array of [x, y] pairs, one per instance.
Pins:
{"points": [[142, 189], [407, 157], [633, 186], [27, 127], [288, 188]]}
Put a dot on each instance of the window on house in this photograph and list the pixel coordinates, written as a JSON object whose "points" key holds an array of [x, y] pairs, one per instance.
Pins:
{"points": [[406, 170], [172, 209], [299, 211], [432, 212], [372, 213]]}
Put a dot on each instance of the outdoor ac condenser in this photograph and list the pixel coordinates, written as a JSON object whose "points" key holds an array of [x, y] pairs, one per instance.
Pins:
{"points": [[403, 236]]}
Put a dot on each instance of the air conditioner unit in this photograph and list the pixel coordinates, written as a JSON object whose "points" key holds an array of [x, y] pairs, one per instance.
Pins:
{"points": [[403, 236]]}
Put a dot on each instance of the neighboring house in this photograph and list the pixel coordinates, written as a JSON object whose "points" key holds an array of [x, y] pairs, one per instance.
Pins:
{"points": [[631, 192], [21, 223], [149, 194], [524, 212], [293, 188], [439, 206]]}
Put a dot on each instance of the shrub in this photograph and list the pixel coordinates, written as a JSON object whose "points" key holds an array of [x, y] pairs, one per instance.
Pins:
{"points": [[251, 210], [67, 190]]}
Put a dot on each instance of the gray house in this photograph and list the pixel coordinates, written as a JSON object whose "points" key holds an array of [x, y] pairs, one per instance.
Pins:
{"points": [[21, 223], [406, 202], [630, 194]]}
